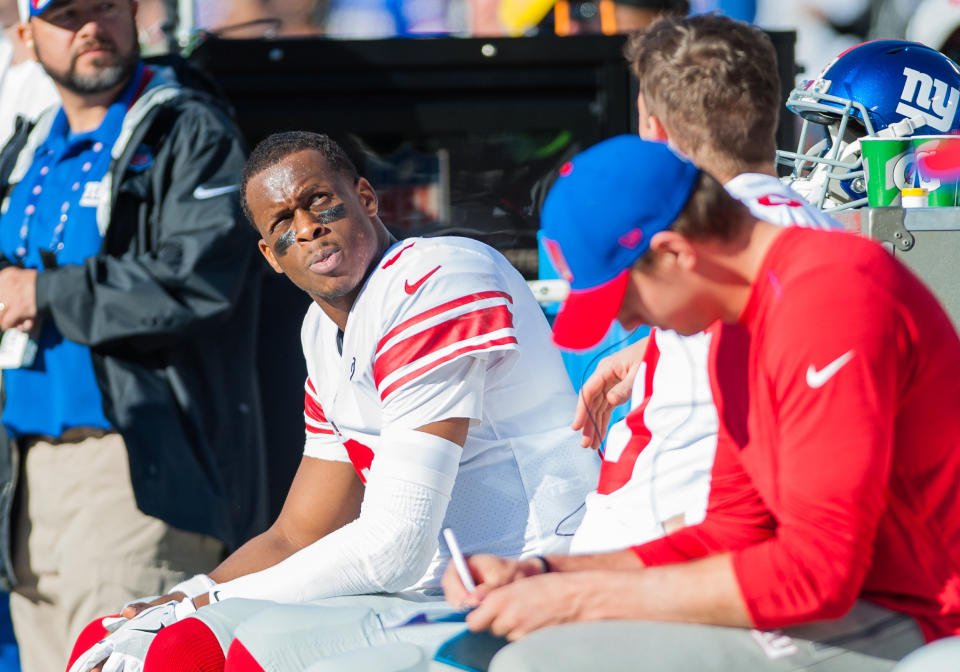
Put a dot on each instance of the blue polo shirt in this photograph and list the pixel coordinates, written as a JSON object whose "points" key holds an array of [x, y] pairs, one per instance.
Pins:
{"points": [[53, 209]]}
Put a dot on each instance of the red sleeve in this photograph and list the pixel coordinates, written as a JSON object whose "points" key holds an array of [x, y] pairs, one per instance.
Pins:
{"points": [[736, 518], [825, 394], [736, 515]]}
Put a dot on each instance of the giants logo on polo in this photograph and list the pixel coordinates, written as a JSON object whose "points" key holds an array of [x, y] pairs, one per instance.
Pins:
{"points": [[939, 109]]}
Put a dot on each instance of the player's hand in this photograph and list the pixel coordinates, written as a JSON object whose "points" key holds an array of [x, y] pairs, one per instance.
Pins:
{"points": [[125, 649], [18, 295], [134, 609], [517, 609], [609, 386], [489, 572], [193, 587]]}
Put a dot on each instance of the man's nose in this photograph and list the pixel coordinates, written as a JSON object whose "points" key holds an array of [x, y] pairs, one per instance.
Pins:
{"points": [[87, 25], [307, 226]]}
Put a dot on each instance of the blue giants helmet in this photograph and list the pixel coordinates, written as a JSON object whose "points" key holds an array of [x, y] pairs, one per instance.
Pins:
{"points": [[884, 88]]}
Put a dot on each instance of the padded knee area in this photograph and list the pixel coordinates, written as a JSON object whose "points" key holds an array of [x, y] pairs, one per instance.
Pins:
{"points": [[186, 646], [240, 660], [398, 657], [90, 635]]}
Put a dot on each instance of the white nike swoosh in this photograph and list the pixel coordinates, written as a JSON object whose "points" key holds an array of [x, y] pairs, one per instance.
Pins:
{"points": [[817, 379], [202, 193]]}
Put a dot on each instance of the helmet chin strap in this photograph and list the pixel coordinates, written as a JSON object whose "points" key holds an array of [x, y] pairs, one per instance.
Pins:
{"points": [[902, 128]]}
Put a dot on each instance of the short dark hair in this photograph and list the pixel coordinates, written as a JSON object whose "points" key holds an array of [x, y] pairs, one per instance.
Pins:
{"points": [[712, 82], [279, 146], [710, 213]]}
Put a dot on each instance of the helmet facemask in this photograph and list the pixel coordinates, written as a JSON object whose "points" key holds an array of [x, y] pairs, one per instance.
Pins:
{"points": [[830, 173]]}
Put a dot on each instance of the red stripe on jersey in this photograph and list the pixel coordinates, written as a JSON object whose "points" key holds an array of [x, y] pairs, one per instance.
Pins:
{"points": [[313, 412], [506, 340], [459, 328], [393, 259], [773, 200], [433, 312], [312, 409], [317, 430], [614, 475]]}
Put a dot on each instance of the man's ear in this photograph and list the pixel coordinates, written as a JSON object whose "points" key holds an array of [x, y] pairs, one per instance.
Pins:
{"points": [[25, 33], [674, 250], [656, 130], [678, 144], [267, 253], [368, 197]]}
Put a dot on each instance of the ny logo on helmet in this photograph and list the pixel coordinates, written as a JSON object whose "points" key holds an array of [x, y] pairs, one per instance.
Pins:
{"points": [[938, 109]]}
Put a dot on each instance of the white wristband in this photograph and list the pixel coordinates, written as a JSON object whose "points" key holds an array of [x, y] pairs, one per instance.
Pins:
{"points": [[194, 586]]}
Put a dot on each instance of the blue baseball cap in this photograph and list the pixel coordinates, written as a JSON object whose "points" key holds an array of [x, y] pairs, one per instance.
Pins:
{"points": [[598, 220]]}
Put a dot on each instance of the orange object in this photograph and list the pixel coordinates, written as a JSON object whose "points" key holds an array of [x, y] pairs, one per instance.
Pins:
{"points": [[608, 17], [561, 18], [563, 23]]}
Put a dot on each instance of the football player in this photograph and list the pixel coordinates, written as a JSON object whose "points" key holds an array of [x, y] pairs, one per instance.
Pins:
{"points": [[434, 398]]}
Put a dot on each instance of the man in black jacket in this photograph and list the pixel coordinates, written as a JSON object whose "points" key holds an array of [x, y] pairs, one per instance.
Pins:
{"points": [[130, 267]]}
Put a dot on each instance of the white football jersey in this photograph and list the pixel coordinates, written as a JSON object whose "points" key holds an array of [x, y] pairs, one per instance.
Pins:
{"points": [[657, 461], [770, 199], [446, 328]]}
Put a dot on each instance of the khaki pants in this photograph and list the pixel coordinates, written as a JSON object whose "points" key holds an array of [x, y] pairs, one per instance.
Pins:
{"points": [[82, 548]]}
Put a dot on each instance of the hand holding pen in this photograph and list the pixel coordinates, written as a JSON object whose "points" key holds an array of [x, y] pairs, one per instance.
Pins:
{"points": [[467, 581]]}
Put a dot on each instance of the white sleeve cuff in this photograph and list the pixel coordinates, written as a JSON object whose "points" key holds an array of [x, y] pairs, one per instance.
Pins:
{"points": [[194, 586]]}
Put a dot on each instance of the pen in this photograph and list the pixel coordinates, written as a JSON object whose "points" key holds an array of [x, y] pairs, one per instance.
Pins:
{"points": [[458, 560]]}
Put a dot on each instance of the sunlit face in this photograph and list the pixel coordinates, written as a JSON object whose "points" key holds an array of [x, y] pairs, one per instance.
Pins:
{"points": [[87, 46], [317, 226], [669, 295]]}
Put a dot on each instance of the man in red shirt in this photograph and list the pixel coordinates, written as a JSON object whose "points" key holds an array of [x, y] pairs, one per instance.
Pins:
{"points": [[834, 499]]}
